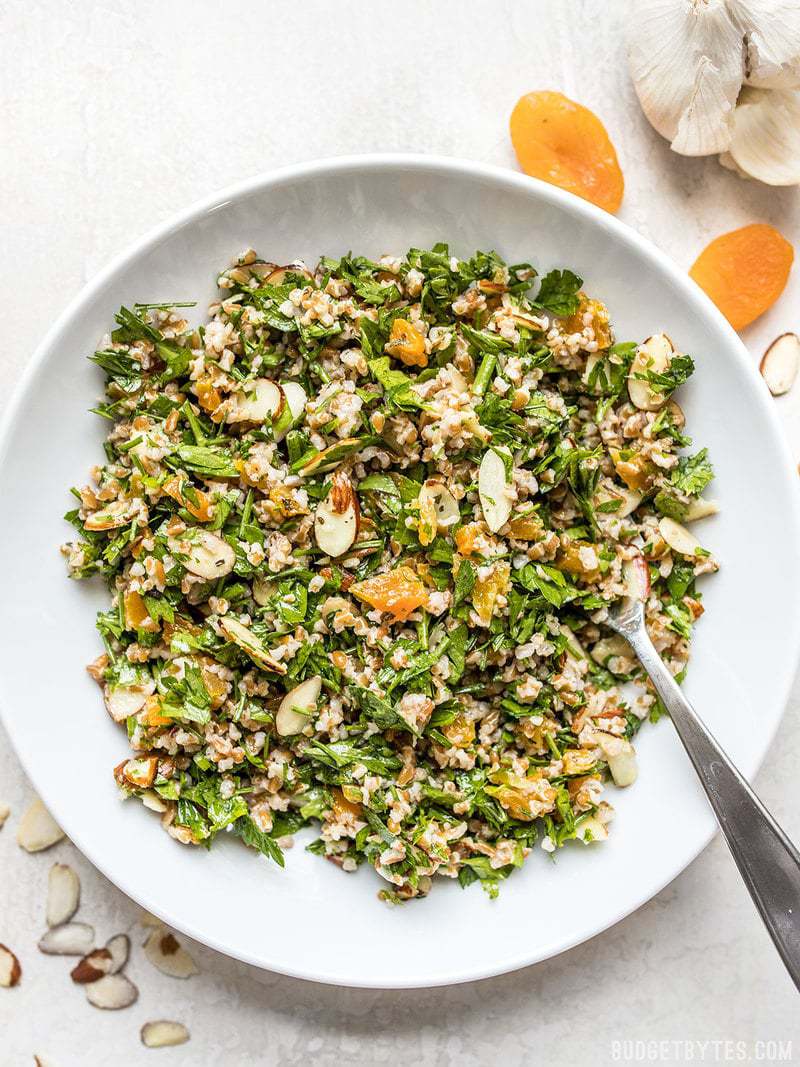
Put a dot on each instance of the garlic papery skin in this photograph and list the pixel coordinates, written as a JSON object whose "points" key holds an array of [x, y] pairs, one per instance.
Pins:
{"points": [[766, 136], [687, 64], [694, 63], [772, 42]]}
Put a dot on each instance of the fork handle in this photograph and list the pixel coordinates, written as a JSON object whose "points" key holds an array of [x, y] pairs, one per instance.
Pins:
{"points": [[766, 858]]}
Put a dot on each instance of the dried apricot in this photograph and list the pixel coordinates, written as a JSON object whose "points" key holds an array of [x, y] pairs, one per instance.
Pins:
{"points": [[565, 144], [599, 320], [152, 713], [196, 502], [466, 536], [407, 344], [398, 592], [342, 806], [526, 527], [579, 558], [487, 590], [137, 616], [460, 732], [207, 396], [744, 271]]}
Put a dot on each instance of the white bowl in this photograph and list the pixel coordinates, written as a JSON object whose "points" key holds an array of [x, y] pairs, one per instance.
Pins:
{"points": [[310, 920]]}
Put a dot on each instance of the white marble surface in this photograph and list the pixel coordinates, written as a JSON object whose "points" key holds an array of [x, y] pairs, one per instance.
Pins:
{"points": [[113, 117]]}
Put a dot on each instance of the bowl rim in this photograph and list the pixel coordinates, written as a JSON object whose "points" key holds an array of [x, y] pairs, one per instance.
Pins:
{"points": [[548, 195]]}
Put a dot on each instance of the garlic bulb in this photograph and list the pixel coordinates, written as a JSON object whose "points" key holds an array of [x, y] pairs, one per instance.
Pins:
{"points": [[715, 76]]}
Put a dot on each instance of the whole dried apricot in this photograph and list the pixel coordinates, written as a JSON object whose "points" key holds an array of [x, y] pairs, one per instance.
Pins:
{"points": [[744, 271], [565, 144]]}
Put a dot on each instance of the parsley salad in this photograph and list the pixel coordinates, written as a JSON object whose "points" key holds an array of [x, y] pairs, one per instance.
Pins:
{"points": [[360, 532]]}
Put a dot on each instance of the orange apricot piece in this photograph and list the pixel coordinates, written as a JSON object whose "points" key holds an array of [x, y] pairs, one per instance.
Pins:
{"points": [[407, 343], [565, 144], [744, 271], [399, 592]]}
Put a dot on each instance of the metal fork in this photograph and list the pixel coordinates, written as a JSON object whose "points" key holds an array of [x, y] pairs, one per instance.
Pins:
{"points": [[766, 858]]}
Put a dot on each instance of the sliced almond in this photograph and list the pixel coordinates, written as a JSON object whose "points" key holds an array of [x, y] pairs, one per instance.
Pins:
{"points": [[92, 967], [263, 590], [5, 811], [700, 509], [119, 948], [203, 553], [493, 490], [246, 640], [38, 829], [295, 396], [112, 992], [256, 402], [124, 700], [780, 363], [153, 802], [678, 537], [63, 894], [590, 830], [141, 771], [438, 503], [10, 970], [69, 939], [655, 354], [676, 414], [629, 500], [298, 706], [278, 276], [330, 457], [336, 517], [621, 758], [636, 576], [609, 648], [163, 1032], [168, 955]]}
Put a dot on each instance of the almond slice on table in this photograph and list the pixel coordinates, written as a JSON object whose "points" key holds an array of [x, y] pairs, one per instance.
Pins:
{"points": [[112, 992], [92, 967], [336, 518], [5, 811], [168, 955], [256, 402], [38, 829], [298, 706], [203, 553], [10, 970], [780, 363], [63, 894], [493, 490], [678, 537], [163, 1032], [69, 939], [655, 354], [118, 948]]}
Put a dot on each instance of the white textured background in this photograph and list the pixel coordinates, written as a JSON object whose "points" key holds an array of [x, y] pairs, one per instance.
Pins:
{"points": [[113, 117]]}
